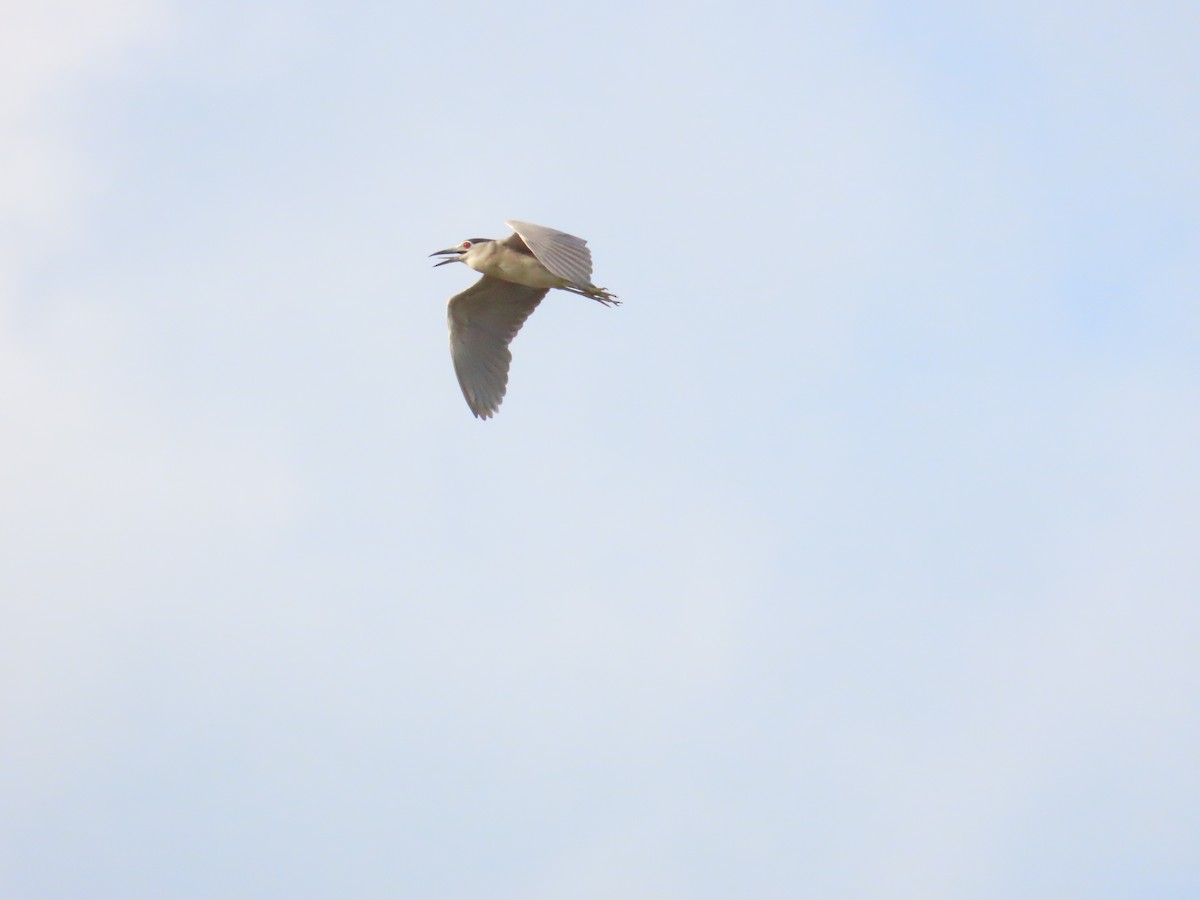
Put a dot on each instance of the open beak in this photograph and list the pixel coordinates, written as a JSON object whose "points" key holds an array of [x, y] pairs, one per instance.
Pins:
{"points": [[452, 255]]}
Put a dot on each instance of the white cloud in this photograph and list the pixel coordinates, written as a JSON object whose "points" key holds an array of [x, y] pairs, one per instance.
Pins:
{"points": [[96, 489], [77, 444], [48, 50]]}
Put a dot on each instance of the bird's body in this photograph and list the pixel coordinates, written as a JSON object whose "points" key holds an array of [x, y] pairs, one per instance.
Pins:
{"points": [[495, 259], [517, 271]]}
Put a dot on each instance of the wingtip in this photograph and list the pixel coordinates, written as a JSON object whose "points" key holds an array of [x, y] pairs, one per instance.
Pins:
{"points": [[482, 411]]}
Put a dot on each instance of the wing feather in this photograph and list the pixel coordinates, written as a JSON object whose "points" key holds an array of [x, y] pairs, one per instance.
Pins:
{"points": [[483, 321], [563, 254]]}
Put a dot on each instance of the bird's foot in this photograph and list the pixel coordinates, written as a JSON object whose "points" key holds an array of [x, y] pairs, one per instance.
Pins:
{"points": [[601, 295]]}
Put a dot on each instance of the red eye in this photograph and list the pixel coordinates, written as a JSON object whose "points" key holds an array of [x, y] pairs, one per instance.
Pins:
{"points": [[466, 245]]}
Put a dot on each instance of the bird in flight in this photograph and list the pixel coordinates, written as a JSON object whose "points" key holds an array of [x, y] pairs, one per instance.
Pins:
{"points": [[517, 272]]}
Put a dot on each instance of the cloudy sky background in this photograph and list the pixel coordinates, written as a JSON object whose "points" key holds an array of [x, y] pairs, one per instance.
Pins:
{"points": [[854, 556]]}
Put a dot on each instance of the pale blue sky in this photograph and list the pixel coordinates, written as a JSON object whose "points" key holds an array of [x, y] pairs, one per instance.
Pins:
{"points": [[854, 556]]}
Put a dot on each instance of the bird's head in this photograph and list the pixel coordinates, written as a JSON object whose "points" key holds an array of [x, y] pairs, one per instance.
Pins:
{"points": [[460, 252]]}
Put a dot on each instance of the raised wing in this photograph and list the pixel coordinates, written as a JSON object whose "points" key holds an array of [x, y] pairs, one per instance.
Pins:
{"points": [[563, 254], [483, 320]]}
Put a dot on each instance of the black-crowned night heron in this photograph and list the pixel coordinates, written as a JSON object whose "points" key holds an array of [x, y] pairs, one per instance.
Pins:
{"points": [[517, 272]]}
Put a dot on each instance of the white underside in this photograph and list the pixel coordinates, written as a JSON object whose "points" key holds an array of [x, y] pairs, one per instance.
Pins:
{"points": [[517, 268]]}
